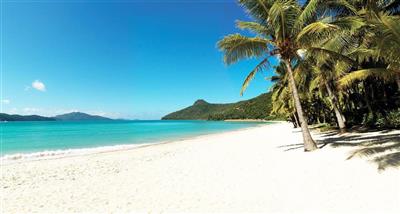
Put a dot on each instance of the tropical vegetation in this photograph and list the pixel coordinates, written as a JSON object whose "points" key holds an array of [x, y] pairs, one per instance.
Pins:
{"points": [[259, 107], [339, 60]]}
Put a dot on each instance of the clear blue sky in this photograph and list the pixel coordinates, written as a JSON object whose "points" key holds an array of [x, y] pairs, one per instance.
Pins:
{"points": [[126, 59]]}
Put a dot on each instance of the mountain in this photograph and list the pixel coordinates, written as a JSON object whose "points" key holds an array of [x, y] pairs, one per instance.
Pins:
{"points": [[15, 117], [79, 116], [256, 108], [73, 116]]}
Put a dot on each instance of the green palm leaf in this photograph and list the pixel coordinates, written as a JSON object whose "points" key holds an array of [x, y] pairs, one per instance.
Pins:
{"points": [[262, 65], [254, 27], [307, 13], [381, 73], [237, 47]]}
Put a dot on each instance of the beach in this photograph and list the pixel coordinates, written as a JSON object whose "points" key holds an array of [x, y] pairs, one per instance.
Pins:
{"points": [[258, 169]]}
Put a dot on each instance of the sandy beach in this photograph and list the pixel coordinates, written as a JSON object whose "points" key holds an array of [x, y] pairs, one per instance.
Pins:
{"points": [[261, 169]]}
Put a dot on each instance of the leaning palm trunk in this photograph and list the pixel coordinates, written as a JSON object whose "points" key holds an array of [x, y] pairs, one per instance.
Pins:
{"points": [[295, 119], [309, 144], [339, 116]]}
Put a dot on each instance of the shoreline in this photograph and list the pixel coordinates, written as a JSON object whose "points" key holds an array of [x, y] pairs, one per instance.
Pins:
{"points": [[15, 158], [255, 120]]}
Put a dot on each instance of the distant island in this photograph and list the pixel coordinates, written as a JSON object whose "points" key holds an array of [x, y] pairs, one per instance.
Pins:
{"points": [[16, 117], [255, 108], [79, 116], [73, 116]]}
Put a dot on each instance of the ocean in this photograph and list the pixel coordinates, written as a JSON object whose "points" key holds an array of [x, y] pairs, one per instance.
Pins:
{"points": [[30, 139]]}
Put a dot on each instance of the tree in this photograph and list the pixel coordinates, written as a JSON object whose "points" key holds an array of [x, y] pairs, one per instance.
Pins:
{"points": [[285, 28], [281, 95], [382, 44], [323, 80]]}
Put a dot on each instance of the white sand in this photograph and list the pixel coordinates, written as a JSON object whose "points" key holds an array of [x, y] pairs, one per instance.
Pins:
{"points": [[241, 171]]}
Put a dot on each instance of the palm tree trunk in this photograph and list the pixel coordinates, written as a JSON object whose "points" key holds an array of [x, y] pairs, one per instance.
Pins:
{"points": [[309, 144], [295, 119], [339, 116], [371, 112]]}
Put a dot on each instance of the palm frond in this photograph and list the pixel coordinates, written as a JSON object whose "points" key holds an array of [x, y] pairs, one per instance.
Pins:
{"points": [[322, 52], [236, 47], [254, 27], [325, 29], [262, 65], [315, 83], [380, 73], [349, 23], [390, 26], [307, 13], [282, 15], [365, 54], [258, 9], [347, 5]]}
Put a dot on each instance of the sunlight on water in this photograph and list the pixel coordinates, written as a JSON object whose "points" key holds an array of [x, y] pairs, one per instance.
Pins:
{"points": [[31, 137]]}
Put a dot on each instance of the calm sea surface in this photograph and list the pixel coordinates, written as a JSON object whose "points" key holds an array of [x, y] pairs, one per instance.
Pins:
{"points": [[29, 137]]}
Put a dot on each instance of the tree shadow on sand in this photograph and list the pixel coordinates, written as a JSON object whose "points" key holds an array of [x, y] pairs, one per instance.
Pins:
{"points": [[380, 147]]}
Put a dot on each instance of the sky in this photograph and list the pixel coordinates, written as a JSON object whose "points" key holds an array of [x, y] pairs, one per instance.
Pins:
{"points": [[122, 59]]}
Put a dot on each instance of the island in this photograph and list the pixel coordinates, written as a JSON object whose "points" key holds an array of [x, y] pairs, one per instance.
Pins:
{"points": [[258, 108]]}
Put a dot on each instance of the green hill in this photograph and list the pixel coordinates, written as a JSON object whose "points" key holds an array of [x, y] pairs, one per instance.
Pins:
{"points": [[15, 117], [256, 108], [73, 116], [79, 116]]}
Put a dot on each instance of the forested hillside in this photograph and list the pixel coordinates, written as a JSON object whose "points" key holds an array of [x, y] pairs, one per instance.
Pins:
{"points": [[256, 108]]}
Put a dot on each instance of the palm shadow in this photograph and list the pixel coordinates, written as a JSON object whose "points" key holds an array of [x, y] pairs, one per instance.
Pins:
{"points": [[380, 147]]}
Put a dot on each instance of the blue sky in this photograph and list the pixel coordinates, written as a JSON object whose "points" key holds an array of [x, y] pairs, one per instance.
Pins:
{"points": [[124, 59]]}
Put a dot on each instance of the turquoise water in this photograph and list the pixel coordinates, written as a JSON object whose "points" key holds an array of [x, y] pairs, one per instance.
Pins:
{"points": [[29, 137]]}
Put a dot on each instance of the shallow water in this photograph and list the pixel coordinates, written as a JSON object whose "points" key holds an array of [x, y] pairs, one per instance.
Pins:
{"points": [[30, 137]]}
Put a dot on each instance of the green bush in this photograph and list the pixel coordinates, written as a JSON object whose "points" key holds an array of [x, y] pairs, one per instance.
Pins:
{"points": [[371, 121], [392, 120]]}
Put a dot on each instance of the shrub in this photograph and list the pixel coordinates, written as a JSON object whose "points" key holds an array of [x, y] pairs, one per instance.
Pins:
{"points": [[393, 119]]}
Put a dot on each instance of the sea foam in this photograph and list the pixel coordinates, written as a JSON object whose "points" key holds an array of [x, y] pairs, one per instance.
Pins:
{"points": [[50, 154]]}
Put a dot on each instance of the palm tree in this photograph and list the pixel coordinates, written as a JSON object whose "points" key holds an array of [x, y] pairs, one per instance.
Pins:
{"points": [[324, 76], [281, 95], [284, 28], [381, 44], [377, 40]]}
